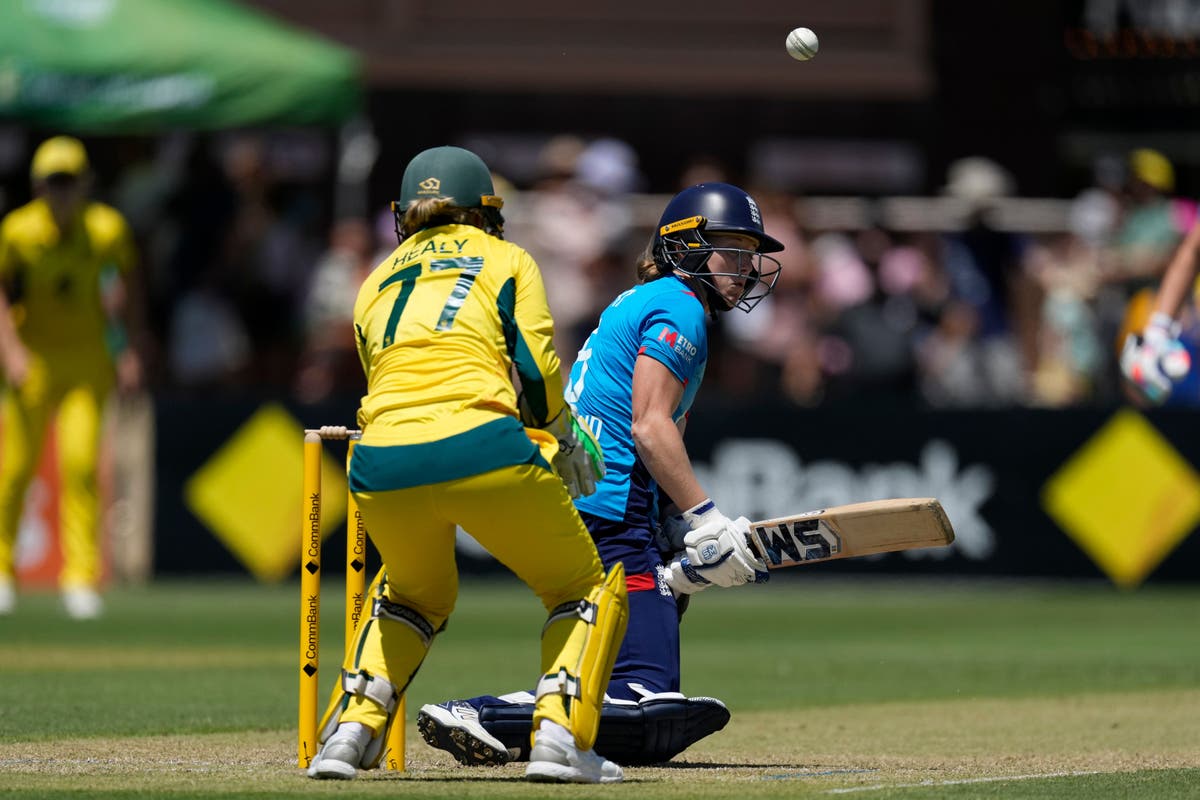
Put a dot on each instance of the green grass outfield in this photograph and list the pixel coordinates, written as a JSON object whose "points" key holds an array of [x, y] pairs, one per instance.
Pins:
{"points": [[859, 688]]}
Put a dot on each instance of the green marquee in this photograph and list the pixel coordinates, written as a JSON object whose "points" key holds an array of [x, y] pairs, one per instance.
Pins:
{"points": [[142, 66]]}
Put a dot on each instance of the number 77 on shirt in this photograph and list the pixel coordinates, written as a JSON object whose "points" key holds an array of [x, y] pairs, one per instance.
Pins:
{"points": [[857, 529]]}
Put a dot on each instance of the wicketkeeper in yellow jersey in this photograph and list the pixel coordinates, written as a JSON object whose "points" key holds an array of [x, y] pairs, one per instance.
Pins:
{"points": [[61, 257], [440, 325]]}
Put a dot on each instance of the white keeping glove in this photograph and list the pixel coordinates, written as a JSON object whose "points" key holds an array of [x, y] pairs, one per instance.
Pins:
{"points": [[1156, 358], [715, 554], [579, 462]]}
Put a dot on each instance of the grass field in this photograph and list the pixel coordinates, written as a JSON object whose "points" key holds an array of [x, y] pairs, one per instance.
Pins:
{"points": [[868, 689]]}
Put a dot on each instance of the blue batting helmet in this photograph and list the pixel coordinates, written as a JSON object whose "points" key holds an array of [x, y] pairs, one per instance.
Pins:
{"points": [[706, 208]]}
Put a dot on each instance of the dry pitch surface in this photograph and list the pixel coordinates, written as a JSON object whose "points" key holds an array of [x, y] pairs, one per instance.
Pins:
{"points": [[1007, 747], [878, 691]]}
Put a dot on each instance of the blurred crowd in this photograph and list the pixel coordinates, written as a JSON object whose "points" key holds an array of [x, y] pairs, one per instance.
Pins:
{"points": [[248, 284]]}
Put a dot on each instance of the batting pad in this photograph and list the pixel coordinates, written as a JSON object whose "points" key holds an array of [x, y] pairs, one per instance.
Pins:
{"points": [[632, 734]]}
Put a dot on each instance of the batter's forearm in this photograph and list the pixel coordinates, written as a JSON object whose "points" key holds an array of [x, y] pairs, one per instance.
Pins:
{"points": [[1180, 274], [661, 449]]}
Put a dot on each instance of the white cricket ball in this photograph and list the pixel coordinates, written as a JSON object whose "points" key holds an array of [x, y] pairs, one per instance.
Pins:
{"points": [[802, 44]]}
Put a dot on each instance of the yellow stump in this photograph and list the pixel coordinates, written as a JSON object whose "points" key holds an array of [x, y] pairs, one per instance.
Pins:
{"points": [[356, 550], [356, 554], [394, 754], [310, 599]]}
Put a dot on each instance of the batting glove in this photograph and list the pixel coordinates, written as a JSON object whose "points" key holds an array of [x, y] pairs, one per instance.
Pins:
{"points": [[1156, 358], [669, 535], [579, 461], [716, 554]]}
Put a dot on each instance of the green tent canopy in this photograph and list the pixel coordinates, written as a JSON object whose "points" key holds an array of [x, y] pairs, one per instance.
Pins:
{"points": [[144, 66]]}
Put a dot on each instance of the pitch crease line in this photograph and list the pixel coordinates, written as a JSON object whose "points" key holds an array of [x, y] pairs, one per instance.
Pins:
{"points": [[990, 779]]}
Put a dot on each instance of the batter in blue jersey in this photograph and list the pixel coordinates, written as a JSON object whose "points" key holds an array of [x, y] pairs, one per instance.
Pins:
{"points": [[662, 320], [633, 383]]}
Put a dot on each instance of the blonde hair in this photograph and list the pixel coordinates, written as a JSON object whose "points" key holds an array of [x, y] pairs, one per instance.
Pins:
{"points": [[429, 212], [647, 268], [650, 270]]}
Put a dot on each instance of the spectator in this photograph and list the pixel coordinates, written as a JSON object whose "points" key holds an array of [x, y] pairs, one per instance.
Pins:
{"points": [[207, 344], [577, 212], [1070, 364], [984, 268], [330, 360], [775, 348]]}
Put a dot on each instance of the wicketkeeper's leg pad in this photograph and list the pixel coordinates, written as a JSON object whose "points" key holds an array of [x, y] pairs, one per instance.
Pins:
{"points": [[374, 688], [579, 647], [652, 731], [365, 682]]}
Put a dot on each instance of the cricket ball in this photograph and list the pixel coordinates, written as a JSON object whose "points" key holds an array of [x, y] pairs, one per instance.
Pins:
{"points": [[802, 44]]}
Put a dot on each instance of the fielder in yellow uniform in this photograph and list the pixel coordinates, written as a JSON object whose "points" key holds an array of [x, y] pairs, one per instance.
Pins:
{"points": [[58, 349], [440, 324]]}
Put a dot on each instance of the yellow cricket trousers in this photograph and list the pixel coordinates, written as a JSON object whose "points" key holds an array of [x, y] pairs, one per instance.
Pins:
{"points": [[521, 514], [69, 392]]}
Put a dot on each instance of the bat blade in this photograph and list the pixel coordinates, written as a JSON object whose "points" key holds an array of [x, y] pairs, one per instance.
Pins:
{"points": [[856, 529]]}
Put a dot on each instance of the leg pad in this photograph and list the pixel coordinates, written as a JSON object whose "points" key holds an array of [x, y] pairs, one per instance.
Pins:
{"points": [[649, 732]]}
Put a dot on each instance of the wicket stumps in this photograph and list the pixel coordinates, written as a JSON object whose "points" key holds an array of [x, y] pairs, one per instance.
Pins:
{"points": [[310, 594]]}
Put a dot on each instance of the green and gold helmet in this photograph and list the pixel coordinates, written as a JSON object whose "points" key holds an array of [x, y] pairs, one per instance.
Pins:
{"points": [[453, 173], [449, 172]]}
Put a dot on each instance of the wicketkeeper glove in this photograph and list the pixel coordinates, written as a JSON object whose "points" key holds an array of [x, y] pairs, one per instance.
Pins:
{"points": [[579, 462], [1154, 359], [716, 553]]}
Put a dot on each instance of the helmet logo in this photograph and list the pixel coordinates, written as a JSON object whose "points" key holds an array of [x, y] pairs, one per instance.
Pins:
{"points": [[430, 186], [754, 215], [681, 225]]}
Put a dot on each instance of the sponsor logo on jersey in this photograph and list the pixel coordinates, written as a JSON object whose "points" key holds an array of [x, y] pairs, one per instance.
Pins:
{"points": [[677, 342]]}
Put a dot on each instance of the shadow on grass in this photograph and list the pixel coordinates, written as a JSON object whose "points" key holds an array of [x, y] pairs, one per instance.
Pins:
{"points": [[727, 765], [499, 780]]}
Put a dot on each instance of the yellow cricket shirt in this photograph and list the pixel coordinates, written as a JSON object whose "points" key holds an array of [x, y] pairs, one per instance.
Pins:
{"points": [[440, 324], [56, 276]]}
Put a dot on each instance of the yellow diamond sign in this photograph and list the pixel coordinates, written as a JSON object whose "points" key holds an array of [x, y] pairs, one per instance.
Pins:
{"points": [[1127, 498], [250, 493]]}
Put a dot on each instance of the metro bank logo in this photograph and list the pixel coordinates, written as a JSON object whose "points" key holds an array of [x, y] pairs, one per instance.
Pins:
{"points": [[677, 342]]}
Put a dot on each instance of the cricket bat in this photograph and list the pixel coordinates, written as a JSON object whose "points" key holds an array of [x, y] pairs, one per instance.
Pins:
{"points": [[857, 529]]}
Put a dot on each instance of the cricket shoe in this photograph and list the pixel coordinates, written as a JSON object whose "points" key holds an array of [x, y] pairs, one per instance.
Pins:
{"points": [[338, 758], [454, 726], [82, 602], [555, 758], [8, 597]]}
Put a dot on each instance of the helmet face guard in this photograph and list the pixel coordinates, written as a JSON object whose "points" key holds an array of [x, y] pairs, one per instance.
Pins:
{"points": [[683, 244], [681, 247]]}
